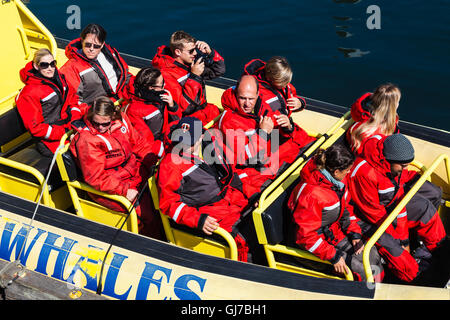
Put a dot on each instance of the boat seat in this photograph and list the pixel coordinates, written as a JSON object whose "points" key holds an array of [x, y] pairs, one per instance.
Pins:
{"points": [[79, 194], [219, 244], [22, 168]]}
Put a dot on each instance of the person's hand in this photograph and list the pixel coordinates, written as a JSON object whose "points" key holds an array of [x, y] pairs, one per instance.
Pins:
{"points": [[167, 98], [294, 104], [283, 121], [131, 194], [406, 248], [340, 266], [197, 67], [358, 246], [210, 225], [266, 124], [203, 47]]}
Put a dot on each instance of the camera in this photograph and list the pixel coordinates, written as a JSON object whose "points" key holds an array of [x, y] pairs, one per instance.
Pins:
{"points": [[206, 58]]}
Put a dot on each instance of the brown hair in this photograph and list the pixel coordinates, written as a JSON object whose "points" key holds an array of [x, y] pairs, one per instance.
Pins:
{"points": [[336, 157], [384, 103], [179, 38], [104, 106]]}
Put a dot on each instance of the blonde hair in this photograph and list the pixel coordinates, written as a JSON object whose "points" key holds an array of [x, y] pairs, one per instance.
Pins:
{"points": [[384, 103], [278, 70], [38, 55]]}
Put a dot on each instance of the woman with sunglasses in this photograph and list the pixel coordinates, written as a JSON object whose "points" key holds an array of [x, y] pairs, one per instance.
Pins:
{"points": [[115, 158], [47, 104], [95, 68]]}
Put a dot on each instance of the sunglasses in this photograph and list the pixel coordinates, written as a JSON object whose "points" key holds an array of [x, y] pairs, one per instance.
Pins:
{"points": [[191, 51], [88, 45], [45, 65], [104, 124], [161, 86]]}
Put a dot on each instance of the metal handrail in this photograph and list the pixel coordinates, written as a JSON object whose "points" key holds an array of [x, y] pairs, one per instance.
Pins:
{"points": [[398, 208]]}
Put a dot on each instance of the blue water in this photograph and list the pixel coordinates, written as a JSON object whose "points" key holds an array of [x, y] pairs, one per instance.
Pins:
{"points": [[335, 57]]}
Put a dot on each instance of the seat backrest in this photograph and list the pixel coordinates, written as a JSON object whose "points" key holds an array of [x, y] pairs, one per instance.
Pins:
{"points": [[277, 218], [12, 130], [72, 169]]}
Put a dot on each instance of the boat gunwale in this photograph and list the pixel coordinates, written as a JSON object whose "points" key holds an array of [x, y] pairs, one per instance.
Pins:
{"points": [[160, 250]]}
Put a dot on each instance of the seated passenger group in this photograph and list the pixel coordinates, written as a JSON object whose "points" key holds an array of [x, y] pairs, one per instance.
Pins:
{"points": [[208, 178]]}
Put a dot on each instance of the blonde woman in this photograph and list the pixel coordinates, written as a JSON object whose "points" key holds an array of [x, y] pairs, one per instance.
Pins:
{"points": [[46, 104], [375, 114]]}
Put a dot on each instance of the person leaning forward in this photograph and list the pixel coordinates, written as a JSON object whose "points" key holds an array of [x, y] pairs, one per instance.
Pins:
{"points": [[378, 182], [200, 192], [185, 64]]}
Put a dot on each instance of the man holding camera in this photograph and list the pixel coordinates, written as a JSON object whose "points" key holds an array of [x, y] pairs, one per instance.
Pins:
{"points": [[185, 64]]}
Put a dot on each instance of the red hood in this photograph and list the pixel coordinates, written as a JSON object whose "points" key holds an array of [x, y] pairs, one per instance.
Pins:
{"points": [[358, 109], [229, 100], [28, 76], [72, 49], [373, 154], [255, 68], [311, 175], [163, 59]]}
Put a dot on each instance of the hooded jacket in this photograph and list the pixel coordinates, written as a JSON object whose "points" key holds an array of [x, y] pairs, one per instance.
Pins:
{"points": [[323, 214], [114, 161], [361, 113], [275, 98], [190, 189], [87, 76], [47, 107], [188, 89], [375, 192], [150, 118], [243, 130]]}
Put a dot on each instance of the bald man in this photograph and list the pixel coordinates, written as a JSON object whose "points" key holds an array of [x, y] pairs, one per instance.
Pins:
{"points": [[264, 142]]}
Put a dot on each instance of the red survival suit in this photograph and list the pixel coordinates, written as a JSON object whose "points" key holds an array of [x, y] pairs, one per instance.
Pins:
{"points": [[191, 189], [47, 107], [88, 77], [115, 161], [151, 118], [251, 146], [325, 220], [188, 90], [361, 113], [275, 98], [376, 193]]}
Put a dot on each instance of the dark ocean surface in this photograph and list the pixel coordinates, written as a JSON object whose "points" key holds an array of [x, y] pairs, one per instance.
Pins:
{"points": [[334, 55]]}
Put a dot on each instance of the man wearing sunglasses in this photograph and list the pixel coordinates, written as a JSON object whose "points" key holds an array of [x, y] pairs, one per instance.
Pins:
{"points": [[95, 68], [185, 65]]}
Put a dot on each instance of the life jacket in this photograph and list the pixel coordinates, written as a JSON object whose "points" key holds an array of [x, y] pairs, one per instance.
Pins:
{"points": [[189, 187], [152, 119], [361, 112], [114, 161], [88, 77], [275, 98], [375, 192], [322, 214], [259, 145], [47, 107], [188, 90]]}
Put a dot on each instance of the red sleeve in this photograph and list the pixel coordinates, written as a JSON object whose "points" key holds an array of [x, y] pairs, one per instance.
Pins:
{"points": [[73, 78], [183, 95], [308, 218], [170, 202], [30, 109], [364, 192], [91, 156]]}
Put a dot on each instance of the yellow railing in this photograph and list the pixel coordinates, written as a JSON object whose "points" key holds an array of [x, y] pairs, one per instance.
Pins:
{"points": [[398, 208]]}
